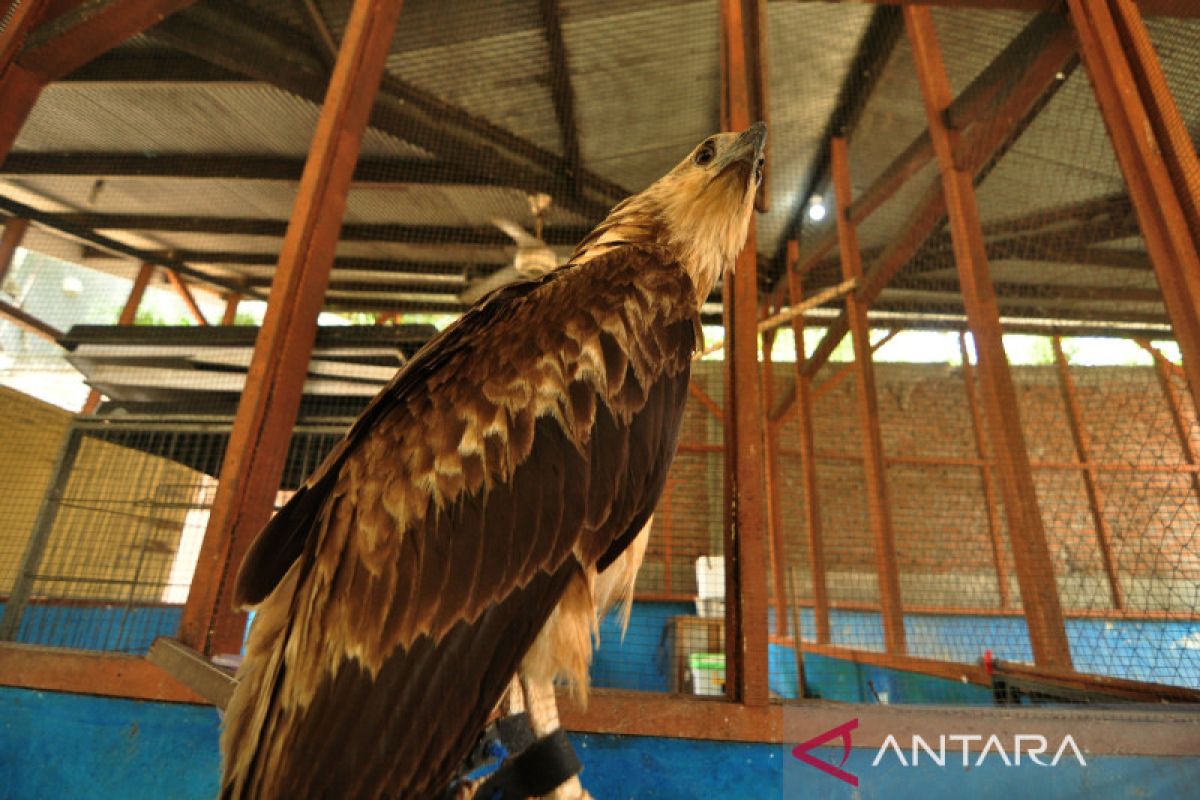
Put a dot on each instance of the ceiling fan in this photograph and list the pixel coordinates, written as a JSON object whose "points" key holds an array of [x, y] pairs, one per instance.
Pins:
{"points": [[533, 258]]}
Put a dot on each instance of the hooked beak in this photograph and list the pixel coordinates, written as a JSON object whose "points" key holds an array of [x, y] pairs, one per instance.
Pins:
{"points": [[747, 149]]}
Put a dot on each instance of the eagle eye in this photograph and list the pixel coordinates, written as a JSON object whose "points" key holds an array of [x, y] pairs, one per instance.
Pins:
{"points": [[706, 154]]}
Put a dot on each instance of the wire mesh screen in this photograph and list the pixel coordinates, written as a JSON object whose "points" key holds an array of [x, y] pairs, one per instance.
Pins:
{"points": [[1107, 509], [502, 133], [112, 547]]}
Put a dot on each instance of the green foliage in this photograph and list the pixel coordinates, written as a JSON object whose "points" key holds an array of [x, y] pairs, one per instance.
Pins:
{"points": [[149, 316]]}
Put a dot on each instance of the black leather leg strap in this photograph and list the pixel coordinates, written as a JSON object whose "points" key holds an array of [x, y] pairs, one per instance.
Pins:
{"points": [[537, 770]]}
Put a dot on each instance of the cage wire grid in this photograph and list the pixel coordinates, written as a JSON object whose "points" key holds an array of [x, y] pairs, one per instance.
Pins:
{"points": [[419, 236]]}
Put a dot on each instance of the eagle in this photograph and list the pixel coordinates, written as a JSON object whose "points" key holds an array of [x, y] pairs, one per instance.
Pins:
{"points": [[458, 534]]}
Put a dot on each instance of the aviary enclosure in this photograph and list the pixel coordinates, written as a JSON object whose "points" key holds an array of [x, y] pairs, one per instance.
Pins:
{"points": [[945, 452]]}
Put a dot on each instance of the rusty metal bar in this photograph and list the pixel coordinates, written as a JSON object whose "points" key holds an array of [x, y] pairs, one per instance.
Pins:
{"points": [[1164, 369], [706, 400], [232, 301], [1143, 124], [14, 234], [1035, 568], [745, 558], [784, 406], [874, 467], [985, 475], [261, 433], [808, 461], [774, 485], [66, 43], [185, 294], [27, 321], [1095, 494]]}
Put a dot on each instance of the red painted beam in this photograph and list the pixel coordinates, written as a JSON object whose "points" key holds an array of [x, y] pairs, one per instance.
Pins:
{"points": [[267, 412], [1035, 567], [746, 545]]}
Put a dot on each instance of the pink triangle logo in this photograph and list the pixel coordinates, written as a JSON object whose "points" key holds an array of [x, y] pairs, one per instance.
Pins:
{"points": [[801, 751]]}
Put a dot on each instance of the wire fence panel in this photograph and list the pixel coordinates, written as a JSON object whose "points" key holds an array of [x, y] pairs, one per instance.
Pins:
{"points": [[1051, 498]]}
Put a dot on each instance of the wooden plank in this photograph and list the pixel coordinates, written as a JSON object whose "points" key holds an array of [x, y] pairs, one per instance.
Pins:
{"points": [[1141, 122], [193, 670], [185, 294], [56, 669], [808, 463], [91, 29], [874, 466], [232, 301], [1035, 568], [14, 234], [128, 316], [1095, 495], [258, 443], [746, 561], [985, 475]]}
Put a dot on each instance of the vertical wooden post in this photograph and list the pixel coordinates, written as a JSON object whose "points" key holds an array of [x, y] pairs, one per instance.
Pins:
{"points": [[261, 433], [1035, 568], [231, 306], [774, 486], [1095, 494], [1155, 154], [808, 456], [745, 557], [985, 474], [14, 234], [874, 467], [1163, 369], [128, 315]]}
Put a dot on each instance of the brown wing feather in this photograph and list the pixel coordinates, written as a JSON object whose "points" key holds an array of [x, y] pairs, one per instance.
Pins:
{"points": [[514, 450]]}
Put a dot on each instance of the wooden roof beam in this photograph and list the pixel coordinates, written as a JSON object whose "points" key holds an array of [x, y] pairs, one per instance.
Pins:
{"points": [[226, 166], [1163, 8], [89, 237], [90, 29], [560, 235], [232, 37], [561, 90]]}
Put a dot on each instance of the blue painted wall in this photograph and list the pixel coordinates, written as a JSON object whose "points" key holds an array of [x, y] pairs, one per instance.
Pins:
{"points": [[73, 747], [1162, 652]]}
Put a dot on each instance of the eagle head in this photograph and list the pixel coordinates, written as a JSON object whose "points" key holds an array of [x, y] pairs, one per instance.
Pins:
{"points": [[704, 203], [700, 210]]}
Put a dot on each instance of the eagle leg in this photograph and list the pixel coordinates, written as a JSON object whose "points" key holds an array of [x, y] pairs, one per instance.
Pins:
{"points": [[539, 700]]}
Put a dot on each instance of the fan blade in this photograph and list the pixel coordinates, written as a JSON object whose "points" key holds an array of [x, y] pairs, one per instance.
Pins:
{"points": [[518, 234], [501, 277]]}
